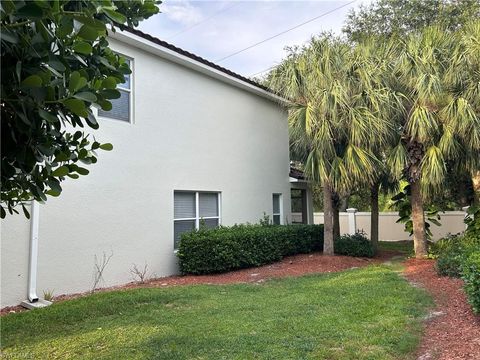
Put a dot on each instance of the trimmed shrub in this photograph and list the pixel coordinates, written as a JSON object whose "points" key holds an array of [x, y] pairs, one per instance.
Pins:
{"points": [[241, 246], [459, 256], [452, 251], [354, 245], [471, 277], [224, 249], [449, 254]]}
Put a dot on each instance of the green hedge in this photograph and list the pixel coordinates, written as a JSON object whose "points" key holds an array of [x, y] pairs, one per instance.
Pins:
{"points": [[452, 251], [241, 246], [471, 277], [354, 245], [459, 256]]}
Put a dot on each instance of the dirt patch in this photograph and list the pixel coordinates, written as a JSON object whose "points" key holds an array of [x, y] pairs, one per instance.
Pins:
{"points": [[452, 329]]}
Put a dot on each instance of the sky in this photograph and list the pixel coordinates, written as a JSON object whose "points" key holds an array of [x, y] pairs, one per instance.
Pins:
{"points": [[217, 29]]}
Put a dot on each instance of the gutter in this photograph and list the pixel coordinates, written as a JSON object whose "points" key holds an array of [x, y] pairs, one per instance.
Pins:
{"points": [[33, 301], [33, 256]]}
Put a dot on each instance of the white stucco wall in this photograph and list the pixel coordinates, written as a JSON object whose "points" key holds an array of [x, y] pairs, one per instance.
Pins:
{"points": [[190, 132]]}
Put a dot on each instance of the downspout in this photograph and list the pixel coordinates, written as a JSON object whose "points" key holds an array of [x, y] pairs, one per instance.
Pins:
{"points": [[33, 256]]}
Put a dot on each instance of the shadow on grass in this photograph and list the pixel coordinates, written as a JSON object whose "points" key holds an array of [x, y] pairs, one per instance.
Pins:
{"points": [[371, 313]]}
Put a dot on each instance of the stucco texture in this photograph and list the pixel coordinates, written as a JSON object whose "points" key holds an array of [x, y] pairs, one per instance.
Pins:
{"points": [[189, 132]]}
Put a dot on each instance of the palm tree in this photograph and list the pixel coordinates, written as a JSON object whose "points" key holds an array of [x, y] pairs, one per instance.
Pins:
{"points": [[335, 115], [436, 118], [464, 73], [378, 55]]}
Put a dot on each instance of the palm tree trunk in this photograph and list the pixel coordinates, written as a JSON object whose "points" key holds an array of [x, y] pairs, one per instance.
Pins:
{"points": [[418, 218], [476, 188], [336, 222], [374, 216], [327, 220]]}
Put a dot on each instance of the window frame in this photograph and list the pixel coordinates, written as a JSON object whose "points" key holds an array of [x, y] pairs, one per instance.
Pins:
{"points": [[280, 208], [130, 91], [197, 217]]}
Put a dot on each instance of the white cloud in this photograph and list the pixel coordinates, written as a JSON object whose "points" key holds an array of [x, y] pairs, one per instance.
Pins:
{"points": [[224, 32], [183, 13]]}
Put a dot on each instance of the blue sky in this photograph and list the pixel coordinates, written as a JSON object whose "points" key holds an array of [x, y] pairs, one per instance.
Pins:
{"points": [[215, 29]]}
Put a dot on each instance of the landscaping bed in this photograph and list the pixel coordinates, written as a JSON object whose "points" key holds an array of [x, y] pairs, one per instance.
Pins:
{"points": [[453, 330]]}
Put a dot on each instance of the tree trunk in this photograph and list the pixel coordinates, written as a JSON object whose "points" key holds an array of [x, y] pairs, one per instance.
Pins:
{"points": [[344, 203], [476, 188], [327, 220], [374, 216], [336, 222], [418, 218]]}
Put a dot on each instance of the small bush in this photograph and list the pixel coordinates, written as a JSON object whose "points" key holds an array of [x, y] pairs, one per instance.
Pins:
{"points": [[354, 245], [473, 221], [471, 277], [459, 256], [452, 251], [449, 255], [241, 246]]}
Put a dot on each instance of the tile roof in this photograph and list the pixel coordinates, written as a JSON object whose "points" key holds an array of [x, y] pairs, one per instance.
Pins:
{"points": [[297, 174], [194, 57]]}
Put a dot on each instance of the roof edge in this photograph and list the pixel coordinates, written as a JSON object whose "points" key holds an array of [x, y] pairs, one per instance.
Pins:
{"points": [[177, 55]]}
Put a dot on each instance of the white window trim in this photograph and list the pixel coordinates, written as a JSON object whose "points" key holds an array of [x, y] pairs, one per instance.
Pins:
{"points": [[131, 91], [280, 207], [197, 217]]}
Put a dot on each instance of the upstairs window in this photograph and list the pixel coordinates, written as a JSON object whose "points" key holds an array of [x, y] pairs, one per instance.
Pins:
{"points": [[193, 209], [121, 107]]}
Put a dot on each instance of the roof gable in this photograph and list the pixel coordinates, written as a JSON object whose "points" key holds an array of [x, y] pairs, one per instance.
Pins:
{"points": [[193, 61]]}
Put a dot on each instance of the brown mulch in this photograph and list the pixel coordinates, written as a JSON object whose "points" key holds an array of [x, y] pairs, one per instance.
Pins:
{"points": [[452, 331]]}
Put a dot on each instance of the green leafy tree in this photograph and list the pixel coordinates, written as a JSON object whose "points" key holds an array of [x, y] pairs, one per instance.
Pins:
{"points": [[56, 66], [400, 17], [336, 116]]}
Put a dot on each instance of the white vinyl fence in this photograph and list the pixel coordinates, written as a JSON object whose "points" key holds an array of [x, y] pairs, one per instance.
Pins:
{"points": [[389, 229]]}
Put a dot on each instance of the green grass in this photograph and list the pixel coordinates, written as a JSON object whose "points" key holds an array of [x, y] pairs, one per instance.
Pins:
{"points": [[405, 247], [369, 313]]}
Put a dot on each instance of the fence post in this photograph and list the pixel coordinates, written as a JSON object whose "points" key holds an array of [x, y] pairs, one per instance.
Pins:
{"points": [[465, 209], [352, 221]]}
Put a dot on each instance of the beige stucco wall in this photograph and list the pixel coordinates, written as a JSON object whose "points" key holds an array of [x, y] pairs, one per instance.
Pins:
{"points": [[190, 132], [390, 230]]}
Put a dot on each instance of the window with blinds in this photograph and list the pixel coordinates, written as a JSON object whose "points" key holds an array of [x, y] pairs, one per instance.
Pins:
{"points": [[277, 209], [121, 107], [193, 209]]}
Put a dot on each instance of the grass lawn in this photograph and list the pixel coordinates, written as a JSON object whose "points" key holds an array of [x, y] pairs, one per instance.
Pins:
{"points": [[405, 247], [368, 313]]}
